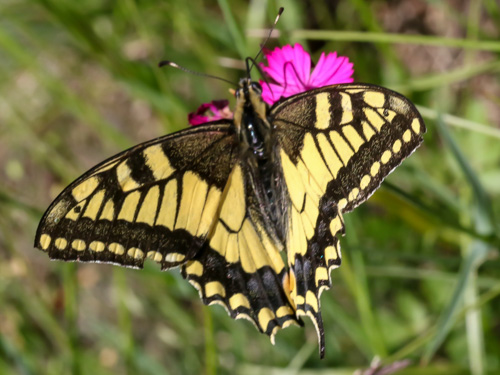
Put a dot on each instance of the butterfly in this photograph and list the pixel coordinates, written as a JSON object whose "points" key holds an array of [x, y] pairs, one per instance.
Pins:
{"points": [[224, 200]]}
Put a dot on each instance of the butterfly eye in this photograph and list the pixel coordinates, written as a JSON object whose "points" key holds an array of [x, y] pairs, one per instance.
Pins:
{"points": [[256, 87]]}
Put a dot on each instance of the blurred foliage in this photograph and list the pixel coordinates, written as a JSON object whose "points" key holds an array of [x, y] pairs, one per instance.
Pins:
{"points": [[419, 280]]}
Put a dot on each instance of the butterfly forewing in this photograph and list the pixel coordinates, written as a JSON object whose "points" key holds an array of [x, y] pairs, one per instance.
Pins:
{"points": [[336, 145], [157, 200]]}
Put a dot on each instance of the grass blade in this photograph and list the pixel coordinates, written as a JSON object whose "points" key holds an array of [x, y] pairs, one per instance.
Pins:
{"points": [[374, 37], [445, 322]]}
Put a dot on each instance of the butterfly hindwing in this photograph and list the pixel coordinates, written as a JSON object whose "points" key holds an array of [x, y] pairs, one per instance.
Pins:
{"points": [[156, 200], [336, 145], [240, 266]]}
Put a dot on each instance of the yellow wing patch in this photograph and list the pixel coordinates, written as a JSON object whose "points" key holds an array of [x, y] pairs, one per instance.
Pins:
{"points": [[158, 162], [194, 192], [166, 214], [233, 208], [129, 207], [149, 206], [86, 188]]}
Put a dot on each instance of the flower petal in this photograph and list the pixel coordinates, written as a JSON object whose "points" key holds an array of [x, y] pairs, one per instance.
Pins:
{"points": [[301, 64], [290, 69], [195, 119], [331, 69], [288, 65], [271, 92], [216, 106], [276, 62], [213, 111]]}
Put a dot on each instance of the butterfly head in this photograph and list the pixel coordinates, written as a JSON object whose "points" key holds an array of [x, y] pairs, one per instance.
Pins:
{"points": [[249, 92]]}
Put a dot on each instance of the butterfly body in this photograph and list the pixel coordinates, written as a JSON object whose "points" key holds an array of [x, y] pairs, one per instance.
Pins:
{"points": [[252, 122], [224, 200]]}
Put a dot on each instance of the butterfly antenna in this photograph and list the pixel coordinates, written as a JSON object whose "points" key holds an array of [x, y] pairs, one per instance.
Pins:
{"points": [[174, 65], [263, 75], [249, 60], [280, 12]]}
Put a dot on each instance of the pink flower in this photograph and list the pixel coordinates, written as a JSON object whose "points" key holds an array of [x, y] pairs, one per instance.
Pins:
{"points": [[290, 69], [213, 111]]}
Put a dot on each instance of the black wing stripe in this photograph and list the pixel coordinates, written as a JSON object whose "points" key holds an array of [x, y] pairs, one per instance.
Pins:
{"points": [[141, 172]]}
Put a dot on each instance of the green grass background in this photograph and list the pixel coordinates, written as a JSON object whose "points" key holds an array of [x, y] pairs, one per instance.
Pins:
{"points": [[420, 276]]}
